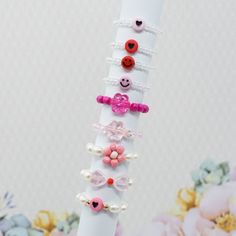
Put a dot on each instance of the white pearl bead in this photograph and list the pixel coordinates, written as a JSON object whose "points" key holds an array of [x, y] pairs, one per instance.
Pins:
{"points": [[135, 156], [130, 182], [86, 174], [114, 155], [97, 150], [131, 156], [124, 207], [114, 208], [90, 147], [83, 199]]}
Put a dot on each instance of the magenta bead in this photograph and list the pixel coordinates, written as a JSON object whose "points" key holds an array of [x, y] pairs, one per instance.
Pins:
{"points": [[134, 107], [120, 104], [145, 109], [99, 99], [104, 100]]}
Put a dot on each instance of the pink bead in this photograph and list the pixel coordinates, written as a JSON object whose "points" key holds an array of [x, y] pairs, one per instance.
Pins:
{"points": [[96, 204], [143, 108], [99, 99], [114, 163], [104, 100], [120, 149], [120, 104], [106, 160], [134, 107], [138, 25], [121, 158]]}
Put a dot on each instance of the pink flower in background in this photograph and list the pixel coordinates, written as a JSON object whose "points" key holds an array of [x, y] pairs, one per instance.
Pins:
{"points": [[233, 174], [164, 225], [194, 224], [219, 200], [216, 214]]}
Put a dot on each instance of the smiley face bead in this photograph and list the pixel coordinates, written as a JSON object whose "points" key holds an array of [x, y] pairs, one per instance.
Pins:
{"points": [[128, 62], [125, 83]]}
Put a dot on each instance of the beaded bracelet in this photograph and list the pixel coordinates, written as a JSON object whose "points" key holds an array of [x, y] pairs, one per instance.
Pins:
{"points": [[131, 46], [120, 104], [125, 83], [138, 25], [98, 179], [96, 204], [115, 131], [112, 155], [129, 63]]}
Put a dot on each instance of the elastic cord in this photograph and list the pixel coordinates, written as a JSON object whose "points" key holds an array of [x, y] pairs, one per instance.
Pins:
{"points": [[146, 51]]}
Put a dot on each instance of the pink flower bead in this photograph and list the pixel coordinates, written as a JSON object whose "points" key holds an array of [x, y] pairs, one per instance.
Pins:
{"points": [[113, 155], [120, 104]]}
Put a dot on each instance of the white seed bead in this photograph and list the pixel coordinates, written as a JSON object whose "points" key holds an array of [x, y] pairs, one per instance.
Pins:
{"points": [[86, 174], [124, 207], [130, 182], [114, 208], [90, 147], [135, 156], [97, 151], [94, 149], [131, 156]]}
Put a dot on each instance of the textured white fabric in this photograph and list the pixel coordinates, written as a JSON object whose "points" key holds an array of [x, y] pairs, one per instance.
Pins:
{"points": [[52, 55]]}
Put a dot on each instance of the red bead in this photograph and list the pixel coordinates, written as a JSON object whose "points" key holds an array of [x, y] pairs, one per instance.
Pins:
{"points": [[131, 46], [110, 181], [128, 62]]}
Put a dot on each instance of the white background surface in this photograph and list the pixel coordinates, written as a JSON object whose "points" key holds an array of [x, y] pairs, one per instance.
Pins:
{"points": [[52, 55]]}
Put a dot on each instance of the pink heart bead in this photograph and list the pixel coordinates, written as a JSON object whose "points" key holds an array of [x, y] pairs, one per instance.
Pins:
{"points": [[96, 204]]}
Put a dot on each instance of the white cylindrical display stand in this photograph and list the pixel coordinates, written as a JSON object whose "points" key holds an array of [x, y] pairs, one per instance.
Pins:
{"points": [[104, 223]]}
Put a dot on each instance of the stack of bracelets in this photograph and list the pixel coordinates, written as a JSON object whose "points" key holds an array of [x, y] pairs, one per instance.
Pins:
{"points": [[114, 154]]}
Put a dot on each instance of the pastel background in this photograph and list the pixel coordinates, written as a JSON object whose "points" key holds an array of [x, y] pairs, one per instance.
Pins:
{"points": [[52, 61]]}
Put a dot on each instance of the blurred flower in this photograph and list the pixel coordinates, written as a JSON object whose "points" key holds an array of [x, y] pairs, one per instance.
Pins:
{"points": [[210, 174], [195, 225], [164, 225], [226, 222], [47, 221], [233, 174], [6, 203], [216, 214], [70, 223], [187, 198]]}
